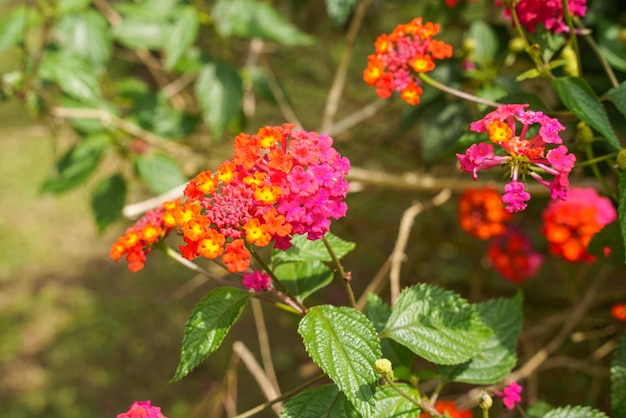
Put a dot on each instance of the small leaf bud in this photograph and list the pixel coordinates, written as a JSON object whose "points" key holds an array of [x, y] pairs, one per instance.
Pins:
{"points": [[571, 61], [384, 368], [584, 134], [517, 45], [621, 159]]}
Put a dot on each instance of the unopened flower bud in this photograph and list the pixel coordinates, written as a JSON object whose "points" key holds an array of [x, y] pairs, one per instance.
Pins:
{"points": [[517, 45], [621, 159], [584, 134], [384, 368], [485, 401], [571, 61]]}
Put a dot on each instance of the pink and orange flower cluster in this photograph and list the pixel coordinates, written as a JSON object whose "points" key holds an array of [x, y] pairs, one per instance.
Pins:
{"points": [[280, 182], [549, 13], [399, 56]]}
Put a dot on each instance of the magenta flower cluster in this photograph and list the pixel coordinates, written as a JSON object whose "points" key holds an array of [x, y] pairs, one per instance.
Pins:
{"points": [[511, 395], [548, 12], [526, 152], [256, 281], [142, 409]]}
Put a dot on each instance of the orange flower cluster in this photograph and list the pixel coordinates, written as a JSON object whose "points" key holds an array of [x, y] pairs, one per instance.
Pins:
{"points": [[569, 225], [512, 255], [448, 408], [482, 214], [618, 311], [139, 239], [401, 55]]}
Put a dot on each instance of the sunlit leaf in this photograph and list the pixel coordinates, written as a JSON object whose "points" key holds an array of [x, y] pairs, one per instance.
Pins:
{"points": [[70, 6], [140, 33], [390, 404], [323, 401], [86, 35], [303, 249], [74, 75], [13, 27], [208, 324], [160, 172], [485, 42], [304, 278], [575, 412]]}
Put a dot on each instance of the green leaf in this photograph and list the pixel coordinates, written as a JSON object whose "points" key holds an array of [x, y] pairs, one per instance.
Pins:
{"points": [[621, 208], [152, 10], [343, 342], [14, 26], [618, 379], [617, 96], [610, 42], [182, 35], [303, 249], [70, 6], [87, 36], [485, 42], [208, 324], [160, 172], [539, 409], [579, 98], [436, 324], [304, 278], [390, 404], [575, 412], [141, 33], [497, 356], [107, 200], [340, 10], [321, 402], [251, 19], [445, 123], [609, 237], [378, 312], [77, 164], [74, 75], [219, 91]]}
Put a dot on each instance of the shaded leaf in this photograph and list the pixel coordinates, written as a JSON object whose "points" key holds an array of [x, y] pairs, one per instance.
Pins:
{"points": [[617, 96], [485, 42], [340, 10], [160, 172], [343, 342], [107, 200], [575, 412], [608, 240], [621, 208], [77, 164], [436, 324], [390, 404], [219, 90], [181, 36], [74, 75], [498, 355], [252, 18], [208, 324], [304, 278], [321, 402], [445, 123], [618, 379], [303, 249], [610, 42], [13, 27], [579, 98]]}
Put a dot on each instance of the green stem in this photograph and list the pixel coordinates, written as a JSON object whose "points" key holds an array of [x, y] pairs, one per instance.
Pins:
{"points": [[458, 93], [529, 47], [596, 50], [596, 171], [485, 413], [402, 393], [345, 276], [572, 38], [276, 280], [595, 160]]}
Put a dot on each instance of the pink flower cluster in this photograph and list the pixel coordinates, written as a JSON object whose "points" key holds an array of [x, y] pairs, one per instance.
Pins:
{"points": [[142, 409], [549, 12], [257, 281], [526, 152], [510, 395]]}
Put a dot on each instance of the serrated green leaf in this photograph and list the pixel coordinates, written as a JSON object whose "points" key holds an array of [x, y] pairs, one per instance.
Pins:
{"points": [[251, 19], [485, 42], [219, 90], [575, 412], [539, 410], [154, 112], [621, 208], [321, 402], [581, 100], [303, 249], [390, 404], [436, 324], [497, 357], [160, 172], [208, 324], [344, 343], [618, 379], [304, 278], [107, 200], [444, 125], [181, 36], [141, 33], [77, 164], [87, 36], [74, 75], [13, 27], [378, 312], [340, 10], [617, 96]]}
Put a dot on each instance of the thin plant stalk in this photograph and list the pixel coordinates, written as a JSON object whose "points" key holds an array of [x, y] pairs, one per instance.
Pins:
{"points": [[345, 276], [455, 92]]}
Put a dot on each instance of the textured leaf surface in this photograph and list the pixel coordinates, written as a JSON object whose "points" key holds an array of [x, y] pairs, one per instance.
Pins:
{"points": [[320, 402], [580, 98], [160, 172], [87, 35], [13, 27], [181, 35], [303, 249], [436, 324], [252, 18], [107, 201], [74, 75], [497, 356], [303, 279], [208, 324], [617, 96], [343, 342], [141, 33], [390, 404], [575, 412], [621, 208], [618, 379], [219, 91]]}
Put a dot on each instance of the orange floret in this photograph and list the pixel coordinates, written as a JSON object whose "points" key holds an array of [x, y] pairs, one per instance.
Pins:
{"points": [[499, 131], [267, 194], [236, 256], [212, 245], [422, 63], [411, 94], [257, 233], [276, 223]]}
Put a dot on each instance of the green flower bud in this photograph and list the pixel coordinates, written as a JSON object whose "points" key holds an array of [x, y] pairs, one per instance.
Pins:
{"points": [[517, 45], [621, 159], [571, 61], [485, 401], [584, 134], [383, 367]]}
